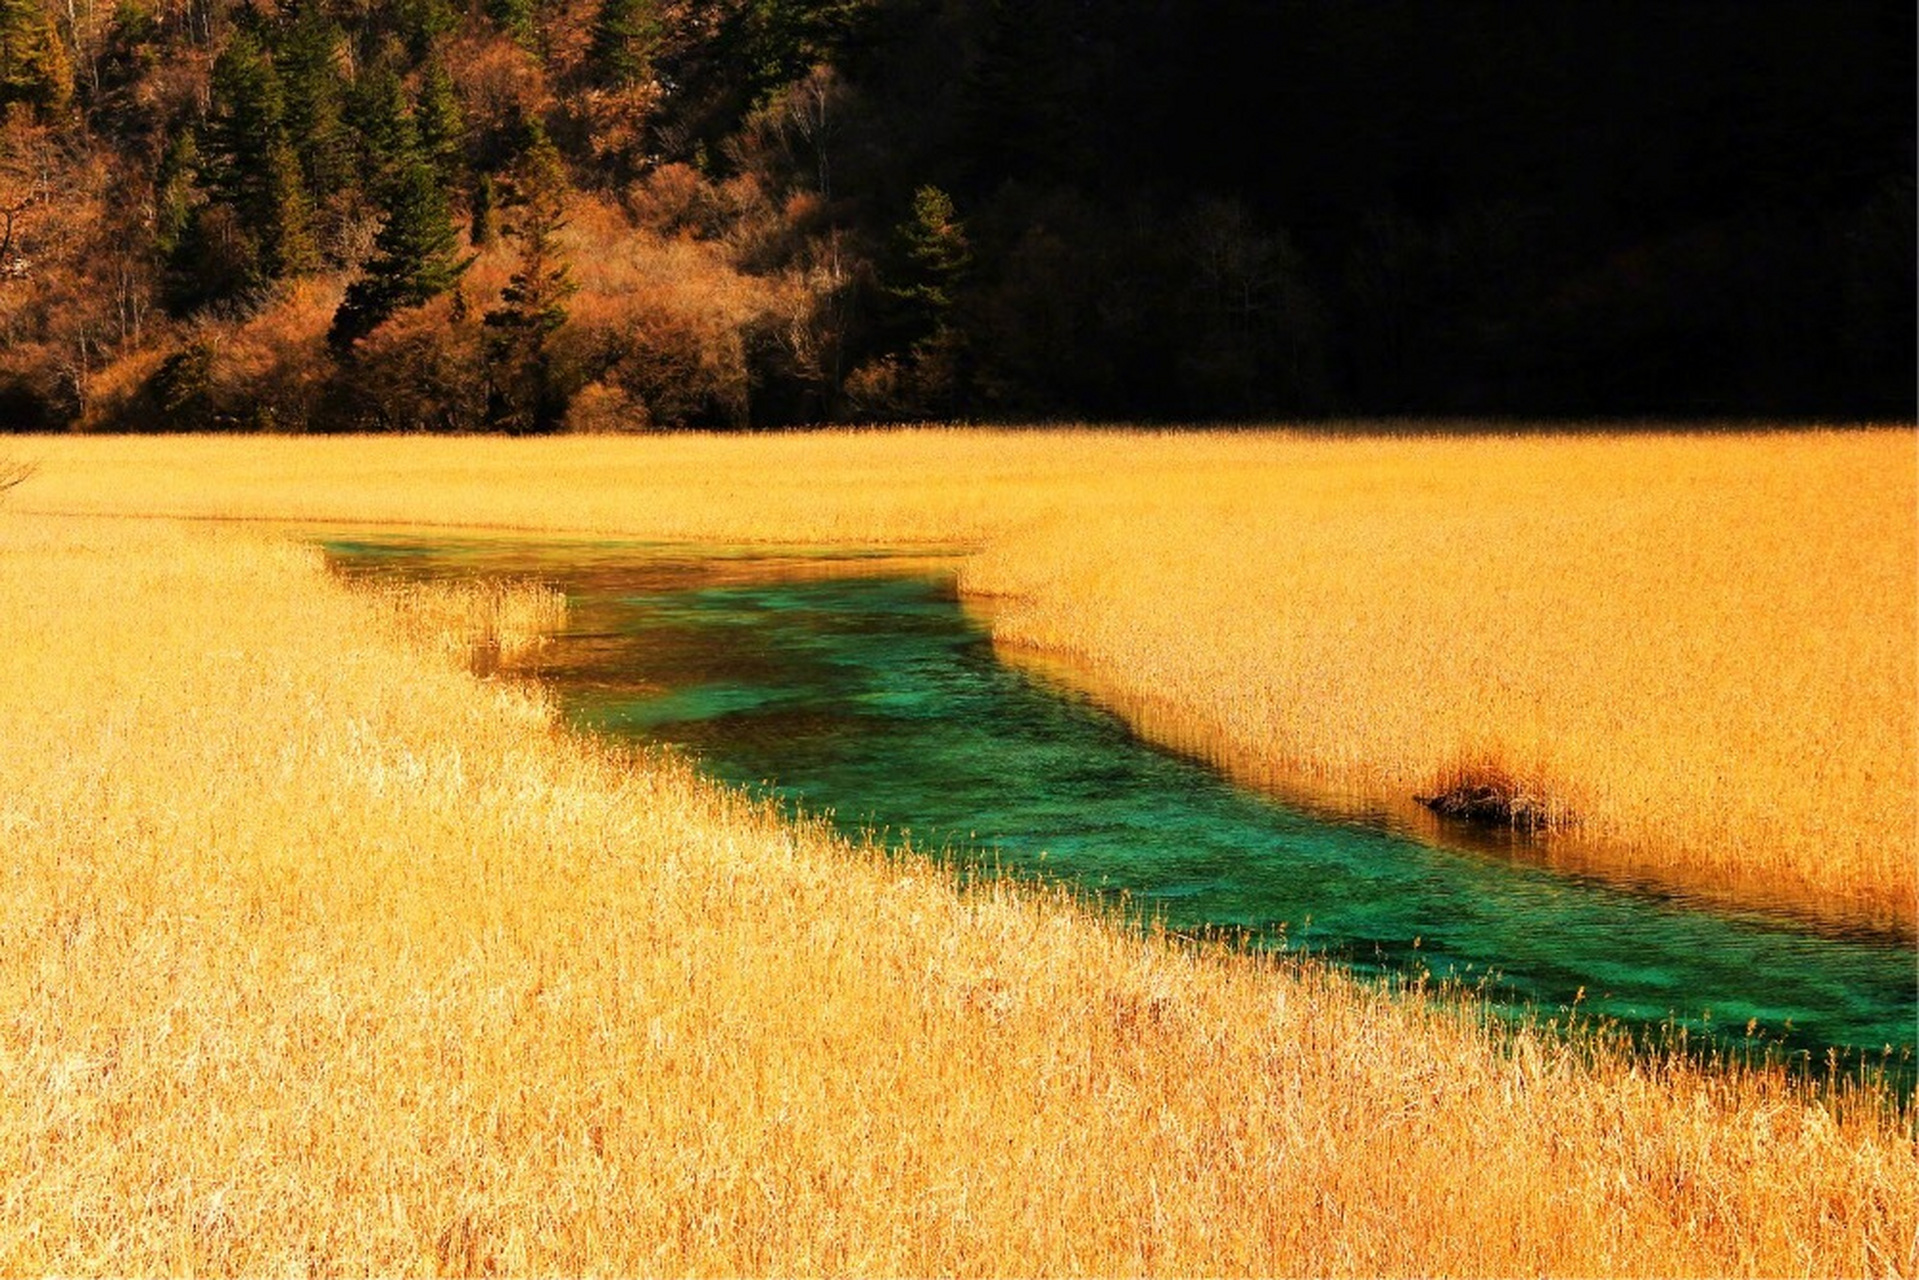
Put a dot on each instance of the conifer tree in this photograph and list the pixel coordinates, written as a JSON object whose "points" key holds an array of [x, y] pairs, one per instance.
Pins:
{"points": [[389, 135], [938, 256], [515, 18], [308, 60], [486, 212], [246, 109], [413, 256], [287, 246], [625, 33], [441, 123], [775, 42], [422, 22], [248, 165], [34, 67], [524, 392]]}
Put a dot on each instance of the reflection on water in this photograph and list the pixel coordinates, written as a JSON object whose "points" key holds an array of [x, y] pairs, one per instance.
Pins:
{"points": [[858, 687]]}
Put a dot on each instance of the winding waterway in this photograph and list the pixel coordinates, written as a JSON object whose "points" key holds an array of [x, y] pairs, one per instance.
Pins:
{"points": [[861, 689]]}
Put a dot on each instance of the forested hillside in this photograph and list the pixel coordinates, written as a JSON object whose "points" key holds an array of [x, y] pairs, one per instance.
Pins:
{"points": [[539, 215]]}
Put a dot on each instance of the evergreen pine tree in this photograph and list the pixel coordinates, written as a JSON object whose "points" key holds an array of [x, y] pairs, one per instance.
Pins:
{"points": [[287, 246], [775, 42], [515, 18], [422, 22], [389, 135], [934, 244], [413, 256], [936, 260], [246, 108], [308, 60], [34, 67], [486, 212], [248, 165], [441, 123], [524, 392], [625, 33]]}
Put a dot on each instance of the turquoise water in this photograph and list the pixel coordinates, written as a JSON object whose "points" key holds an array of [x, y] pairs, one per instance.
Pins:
{"points": [[873, 698]]}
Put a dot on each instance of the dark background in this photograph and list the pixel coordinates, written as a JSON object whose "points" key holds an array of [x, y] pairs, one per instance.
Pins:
{"points": [[1573, 208]]}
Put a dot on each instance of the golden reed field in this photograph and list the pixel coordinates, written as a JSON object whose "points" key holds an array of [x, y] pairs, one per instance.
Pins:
{"points": [[1698, 651], [320, 953]]}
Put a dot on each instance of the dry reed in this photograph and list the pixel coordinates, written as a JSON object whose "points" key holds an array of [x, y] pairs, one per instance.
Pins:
{"points": [[13, 474], [322, 955], [493, 624], [1698, 652]]}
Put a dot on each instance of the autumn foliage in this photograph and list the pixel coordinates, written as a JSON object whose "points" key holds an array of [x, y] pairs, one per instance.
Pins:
{"points": [[798, 211]]}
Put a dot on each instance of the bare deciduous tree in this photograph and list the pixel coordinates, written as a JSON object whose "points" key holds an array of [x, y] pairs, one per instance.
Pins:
{"points": [[813, 111]]}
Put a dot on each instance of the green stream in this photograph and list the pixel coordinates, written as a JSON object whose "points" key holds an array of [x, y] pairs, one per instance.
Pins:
{"points": [[866, 693]]}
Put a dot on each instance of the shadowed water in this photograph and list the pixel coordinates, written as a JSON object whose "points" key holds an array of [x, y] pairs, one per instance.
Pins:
{"points": [[861, 689]]}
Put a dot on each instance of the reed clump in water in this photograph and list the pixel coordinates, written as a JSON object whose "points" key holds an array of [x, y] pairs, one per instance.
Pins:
{"points": [[493, 624], [322, 955], [1489, 793]]}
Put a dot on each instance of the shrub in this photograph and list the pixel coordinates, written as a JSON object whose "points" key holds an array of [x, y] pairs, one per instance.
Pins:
{"points": [[599, 409], [664, 321], [29, 400], [420, 371]]}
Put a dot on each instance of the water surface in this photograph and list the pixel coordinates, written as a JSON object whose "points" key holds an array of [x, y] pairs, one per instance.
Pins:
{"points": [[859, 688]]}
